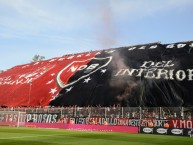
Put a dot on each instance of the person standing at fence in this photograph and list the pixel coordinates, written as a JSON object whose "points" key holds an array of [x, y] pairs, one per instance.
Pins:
{"points": [[166, 125], [150, 123], [71, 121], [105, 123]]}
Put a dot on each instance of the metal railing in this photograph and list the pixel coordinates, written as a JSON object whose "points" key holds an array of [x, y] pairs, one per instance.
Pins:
{"points": [[113, 112]]}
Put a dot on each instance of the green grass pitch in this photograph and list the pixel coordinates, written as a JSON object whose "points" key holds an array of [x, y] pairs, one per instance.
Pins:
{"points": [[35, 136]]}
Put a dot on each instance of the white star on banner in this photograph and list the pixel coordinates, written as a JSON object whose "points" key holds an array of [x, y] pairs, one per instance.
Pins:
{"points": [[80, 55], [153, 47], [60, 59], [87, 80], [132, 48], [45, 68], [52, 91], [49, 82], [69, 89], [29, 75], [52, 74], [52, 60], [36, 63], [103, 71], [98, 53], [25, 66], [54, 97], [88, 54], [70, 57]]}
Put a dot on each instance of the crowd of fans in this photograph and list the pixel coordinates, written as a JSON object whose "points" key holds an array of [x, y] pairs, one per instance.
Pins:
{"points": [[110, 112]]}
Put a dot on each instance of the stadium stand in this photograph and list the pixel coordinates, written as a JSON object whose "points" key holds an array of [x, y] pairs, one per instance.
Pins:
{"points": [[126, 86]]}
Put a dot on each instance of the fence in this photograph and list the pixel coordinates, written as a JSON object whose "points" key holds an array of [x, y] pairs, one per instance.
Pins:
{"points": [[113, 112]]}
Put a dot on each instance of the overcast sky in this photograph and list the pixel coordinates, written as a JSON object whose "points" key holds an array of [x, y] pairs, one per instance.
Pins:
{"points": [[52, 28]]}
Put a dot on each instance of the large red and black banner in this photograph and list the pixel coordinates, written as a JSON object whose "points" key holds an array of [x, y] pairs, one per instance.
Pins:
{"points": [[144, 75]]}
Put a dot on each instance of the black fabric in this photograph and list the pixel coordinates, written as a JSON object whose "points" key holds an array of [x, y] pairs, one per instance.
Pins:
{"points": [[115, 86]]}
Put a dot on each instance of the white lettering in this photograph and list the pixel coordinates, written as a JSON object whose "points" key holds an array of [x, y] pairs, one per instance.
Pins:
{"points": [[160, 64], [140, 72], [73, 69], [189, 124], [171, 74], [175, 123], [170, 46], [82, 67], [120, 71], [93, 66], [162, 73], [150, 73], [142, 47], [147, 64], [130, 72], [132, 48], [153, 47], [181, 45], [180, 75], [190, 74], [168, 64], [182, 124]]}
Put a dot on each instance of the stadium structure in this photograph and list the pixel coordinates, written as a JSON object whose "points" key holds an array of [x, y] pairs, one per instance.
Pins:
{"points": [[144, 88], [149, 75]]}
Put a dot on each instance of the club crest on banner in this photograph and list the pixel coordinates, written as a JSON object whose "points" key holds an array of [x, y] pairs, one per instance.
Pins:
{"points": [[83, 69]]}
